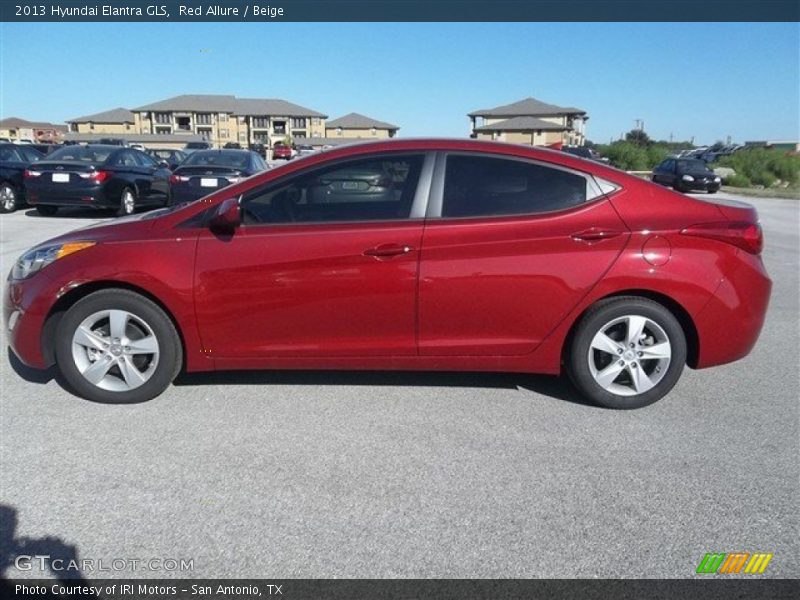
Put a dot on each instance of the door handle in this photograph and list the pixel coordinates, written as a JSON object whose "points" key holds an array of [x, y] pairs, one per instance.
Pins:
{"points": [[595, 234], [388, 250]]}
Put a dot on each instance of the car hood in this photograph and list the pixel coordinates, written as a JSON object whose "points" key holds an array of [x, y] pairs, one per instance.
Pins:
{"points": [[123, 229]]}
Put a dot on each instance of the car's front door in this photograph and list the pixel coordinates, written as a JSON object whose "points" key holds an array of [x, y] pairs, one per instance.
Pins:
{"points": [[510, 247], [157, 177], [324, 264]]}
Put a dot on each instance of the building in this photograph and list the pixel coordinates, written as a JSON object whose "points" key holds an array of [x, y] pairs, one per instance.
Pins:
{"points": [[224, 119], [355, 125], [16, 129], [532, 122], [112, 122], [149, 140]]}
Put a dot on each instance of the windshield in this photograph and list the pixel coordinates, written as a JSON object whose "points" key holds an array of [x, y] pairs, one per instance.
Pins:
{"points": [[692, 165], [91, 154], [237, 160]]}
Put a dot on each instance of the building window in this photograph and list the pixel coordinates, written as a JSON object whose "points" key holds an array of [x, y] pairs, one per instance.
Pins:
{"points": [[261, 137], [316, 121], [242, 136], [127, 126], [223, 133], [338, 131], [91, 126], [205, 132], [73, 127], [164, 118], [299, 123], [162, 130], [204, 119], [374, 131], [223, 117], [183, 123], [261, 122], [299, 134], [280, 127]]}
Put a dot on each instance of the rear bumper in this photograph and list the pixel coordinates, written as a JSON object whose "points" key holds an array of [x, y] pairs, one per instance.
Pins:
{"points": [[52, 196], [729, 325]]}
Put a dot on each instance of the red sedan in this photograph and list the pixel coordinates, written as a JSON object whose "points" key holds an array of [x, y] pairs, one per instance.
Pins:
{"points": [[417, 255]]}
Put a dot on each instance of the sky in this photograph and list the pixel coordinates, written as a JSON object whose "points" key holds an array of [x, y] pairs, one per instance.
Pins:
{"points": [[700, 81]]}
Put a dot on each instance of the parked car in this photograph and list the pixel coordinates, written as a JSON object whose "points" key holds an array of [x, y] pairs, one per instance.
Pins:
{"points": [[232, 146], [97, 176], [46, 149], [260, 149], [281, 151], [476, 256], [584, 152], [206, 171], [193, 146], [305, 150], [111, 141], [686, 174], [172, 158], [14, 159]]}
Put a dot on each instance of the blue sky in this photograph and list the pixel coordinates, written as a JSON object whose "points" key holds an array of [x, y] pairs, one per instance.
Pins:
{"points": [[704, 80]]}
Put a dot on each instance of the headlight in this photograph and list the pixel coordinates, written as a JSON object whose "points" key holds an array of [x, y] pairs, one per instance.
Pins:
{"points": [[38, 258], [717, 179], [687, 178]]}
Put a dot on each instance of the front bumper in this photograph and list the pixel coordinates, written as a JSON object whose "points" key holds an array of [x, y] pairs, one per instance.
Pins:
{"points": [[701, 185], [26, 305]]}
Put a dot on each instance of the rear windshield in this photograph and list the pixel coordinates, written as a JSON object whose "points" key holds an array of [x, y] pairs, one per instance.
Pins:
{"points": [[93, 154], [238, 160]]}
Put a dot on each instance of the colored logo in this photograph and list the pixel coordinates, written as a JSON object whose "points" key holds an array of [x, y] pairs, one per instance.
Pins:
{"points": [[734, 562]]}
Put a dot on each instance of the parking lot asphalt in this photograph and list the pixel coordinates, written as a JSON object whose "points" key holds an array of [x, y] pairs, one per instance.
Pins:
{"points": [[310, 474]]}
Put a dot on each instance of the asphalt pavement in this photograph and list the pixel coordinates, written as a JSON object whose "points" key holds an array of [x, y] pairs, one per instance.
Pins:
{"points": [[309, 474]]}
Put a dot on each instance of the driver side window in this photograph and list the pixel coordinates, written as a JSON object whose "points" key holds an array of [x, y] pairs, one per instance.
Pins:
{"points": [[378, 188]]}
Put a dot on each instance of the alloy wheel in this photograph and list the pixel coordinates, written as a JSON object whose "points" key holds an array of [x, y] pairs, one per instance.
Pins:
{"points": [[128, 202], [629, 355], [115, 350], [8, 199]]}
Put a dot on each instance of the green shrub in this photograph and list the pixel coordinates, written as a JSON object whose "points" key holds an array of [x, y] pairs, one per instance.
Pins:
{"points": [[764, 167], [737, 180]]}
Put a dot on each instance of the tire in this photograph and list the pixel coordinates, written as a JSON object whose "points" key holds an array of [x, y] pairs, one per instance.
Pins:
{"points": [[127, 202], [127, 374], [46, 210], [593, 359], [8, 198]]}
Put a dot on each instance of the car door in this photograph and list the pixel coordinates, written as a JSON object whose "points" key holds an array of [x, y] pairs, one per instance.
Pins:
{"points": [[324, 264], [509, 248], [12, 164], [157, 175]]}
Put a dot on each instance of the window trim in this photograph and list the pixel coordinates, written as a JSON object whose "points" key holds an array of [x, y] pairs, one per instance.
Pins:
{"points": [[419, 204], [436, 200]]}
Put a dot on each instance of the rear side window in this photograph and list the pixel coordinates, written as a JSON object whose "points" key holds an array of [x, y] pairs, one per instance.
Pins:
{"points": [[9, 154], [373, 189], [478, 186]]}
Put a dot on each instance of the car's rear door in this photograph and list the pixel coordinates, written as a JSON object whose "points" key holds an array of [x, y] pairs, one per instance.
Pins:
{"points": [[324, 265], [509, 248]]}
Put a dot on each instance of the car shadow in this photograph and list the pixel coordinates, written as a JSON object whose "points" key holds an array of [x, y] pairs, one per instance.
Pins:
{"points": [[73, 213], [559, 388]]}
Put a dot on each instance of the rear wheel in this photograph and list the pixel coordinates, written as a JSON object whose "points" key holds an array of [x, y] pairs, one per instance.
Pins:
{"points": [[46, 210], [8, 198], [116, 346], [127, 202], [627, 352]]}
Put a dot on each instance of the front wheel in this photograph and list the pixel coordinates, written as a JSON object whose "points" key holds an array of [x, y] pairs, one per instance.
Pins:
{"points": [[8, 198], [627, 352], [116, 346]]}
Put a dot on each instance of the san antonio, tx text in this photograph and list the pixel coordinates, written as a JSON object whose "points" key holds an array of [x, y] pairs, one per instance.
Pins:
{"points": [[138, 589]]}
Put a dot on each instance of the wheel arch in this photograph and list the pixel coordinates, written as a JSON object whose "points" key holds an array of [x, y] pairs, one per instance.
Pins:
{"points": [[678, 311], [65, 302]]}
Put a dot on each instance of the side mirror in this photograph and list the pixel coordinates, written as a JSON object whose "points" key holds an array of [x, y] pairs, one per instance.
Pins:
{"points": [[227, 216], [163, 164]]}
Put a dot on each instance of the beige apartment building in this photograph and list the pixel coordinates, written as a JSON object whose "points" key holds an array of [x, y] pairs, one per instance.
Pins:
{"points": [[355, 125], [15, 129], [224, 119], [110, 122], [531, 122], [218, 119]]}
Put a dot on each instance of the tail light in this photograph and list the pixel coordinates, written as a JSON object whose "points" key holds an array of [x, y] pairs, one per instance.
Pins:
{"points": [[747, 236], [96, 176], [173, 179], [29, 173]]}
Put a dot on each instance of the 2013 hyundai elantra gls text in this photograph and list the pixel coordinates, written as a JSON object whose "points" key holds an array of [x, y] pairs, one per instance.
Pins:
{"points": [[415, 255]]}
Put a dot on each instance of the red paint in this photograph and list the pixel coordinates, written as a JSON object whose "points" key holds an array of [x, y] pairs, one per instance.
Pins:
{"points": [[496, 294]]}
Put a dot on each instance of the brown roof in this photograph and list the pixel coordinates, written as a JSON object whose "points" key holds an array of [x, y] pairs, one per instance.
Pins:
{"points": [[528, 107]]}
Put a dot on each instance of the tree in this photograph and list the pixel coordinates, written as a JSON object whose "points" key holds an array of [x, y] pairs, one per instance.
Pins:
{"points": [[638, 137]]}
